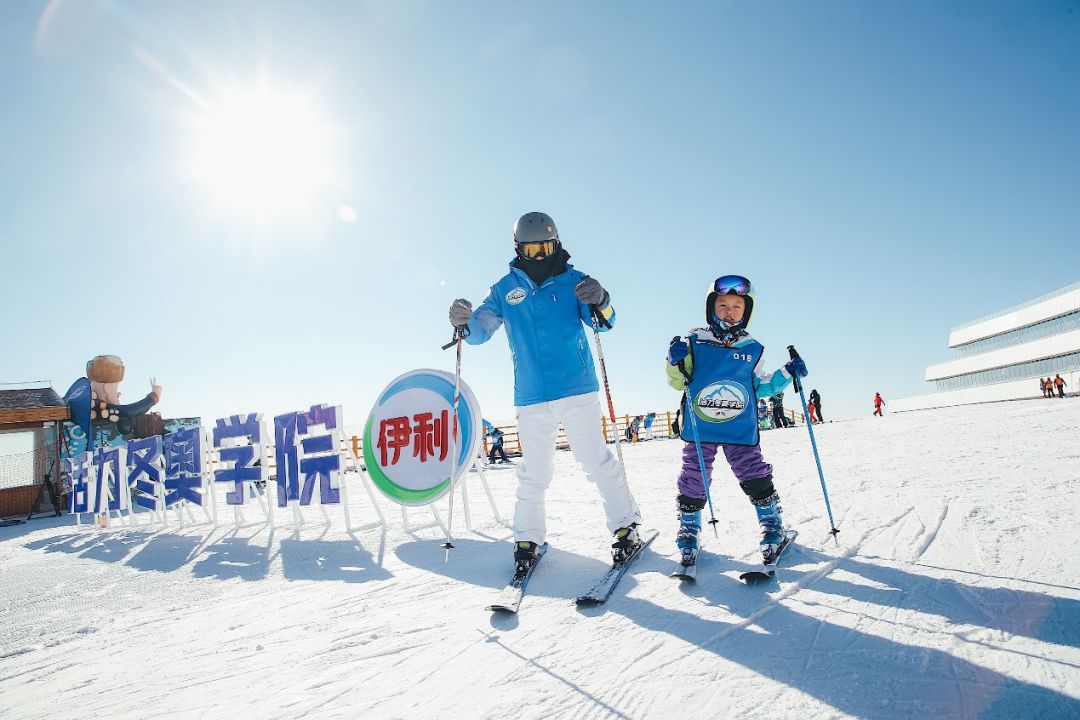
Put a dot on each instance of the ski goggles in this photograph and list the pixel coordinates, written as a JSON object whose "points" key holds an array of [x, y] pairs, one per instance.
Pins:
{"points": [[732, 285], [533, 250]]}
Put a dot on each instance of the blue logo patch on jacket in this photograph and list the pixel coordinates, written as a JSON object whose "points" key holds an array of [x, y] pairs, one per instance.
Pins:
{"points": [[721, 401]]}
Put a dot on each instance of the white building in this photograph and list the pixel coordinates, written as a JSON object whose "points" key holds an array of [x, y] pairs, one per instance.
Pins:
{"points": [[1004, 355]]}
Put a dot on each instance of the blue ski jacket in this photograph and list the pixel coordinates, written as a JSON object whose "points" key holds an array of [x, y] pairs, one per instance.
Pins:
{"points": [[545, 326]]}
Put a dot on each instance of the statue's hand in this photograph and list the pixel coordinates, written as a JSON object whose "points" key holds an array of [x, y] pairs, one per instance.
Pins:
{"points": [[155, 390]]}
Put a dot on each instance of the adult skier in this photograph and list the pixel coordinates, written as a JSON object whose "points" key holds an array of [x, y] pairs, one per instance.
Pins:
{"points": [[546, 304], [816, 399], [779, 418], [879, 403], [721, 369], [1059, 383], [497, 451]]}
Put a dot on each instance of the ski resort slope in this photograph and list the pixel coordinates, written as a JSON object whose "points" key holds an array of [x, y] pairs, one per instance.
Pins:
{"points": [[953, 592]]}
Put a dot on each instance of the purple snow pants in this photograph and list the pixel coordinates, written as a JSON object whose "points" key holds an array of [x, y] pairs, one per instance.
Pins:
{"points": [[745, 461]]}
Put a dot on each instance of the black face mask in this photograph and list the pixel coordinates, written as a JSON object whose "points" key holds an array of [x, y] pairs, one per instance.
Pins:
{"points": [[540, 270]]}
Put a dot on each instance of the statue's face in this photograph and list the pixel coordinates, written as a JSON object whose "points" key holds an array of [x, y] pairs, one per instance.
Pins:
{"points": [[109, 392], [105, 373]]}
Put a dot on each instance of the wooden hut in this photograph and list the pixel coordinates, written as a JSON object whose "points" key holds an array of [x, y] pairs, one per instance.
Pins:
{"points": [[37, 413]]}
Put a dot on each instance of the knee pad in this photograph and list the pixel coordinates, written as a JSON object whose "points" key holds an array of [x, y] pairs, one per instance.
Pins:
{"points": [[687, 504], [758, 488]]}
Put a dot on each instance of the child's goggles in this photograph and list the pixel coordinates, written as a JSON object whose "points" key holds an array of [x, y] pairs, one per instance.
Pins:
{"points": [[732, 285], [534, 250]]}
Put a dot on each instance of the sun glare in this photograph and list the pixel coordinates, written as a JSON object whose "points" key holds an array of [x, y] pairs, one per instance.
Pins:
{"points": [[265, 153]]}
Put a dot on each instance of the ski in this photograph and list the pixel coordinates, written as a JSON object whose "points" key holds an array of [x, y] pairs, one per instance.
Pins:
{"points": [[603, 589], [768, 570], [509, 600], [687, 573]]}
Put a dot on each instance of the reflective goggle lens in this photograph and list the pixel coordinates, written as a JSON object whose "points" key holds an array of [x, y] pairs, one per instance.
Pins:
{"points": [[534, 249], [732, 284]]}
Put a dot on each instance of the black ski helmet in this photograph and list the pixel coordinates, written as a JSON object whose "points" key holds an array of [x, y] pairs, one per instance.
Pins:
{"points": [[535, 227], [729, 285]]}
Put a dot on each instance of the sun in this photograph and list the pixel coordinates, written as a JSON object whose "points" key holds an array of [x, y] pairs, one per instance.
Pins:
{"points": [[264, 152]]}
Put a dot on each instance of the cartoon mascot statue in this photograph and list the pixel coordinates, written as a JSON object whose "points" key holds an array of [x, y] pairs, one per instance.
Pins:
{"points": [[94, 400]]}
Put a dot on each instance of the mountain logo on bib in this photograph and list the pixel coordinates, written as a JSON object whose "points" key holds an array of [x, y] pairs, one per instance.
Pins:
{"points": [[721, 401]]}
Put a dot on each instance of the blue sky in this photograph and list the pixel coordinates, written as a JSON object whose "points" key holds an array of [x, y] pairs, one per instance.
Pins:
{"points": [[881, 172]]}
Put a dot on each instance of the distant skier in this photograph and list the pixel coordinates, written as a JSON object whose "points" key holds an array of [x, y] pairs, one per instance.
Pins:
{"points": [[1049, 388], [816, 399], [497, 449], [648, 425], [811, 411], [879, 403], [779, 418], [762, 415], [546, 304], [1042, 386], [633, 429], [1059, 383], [722, 361]]}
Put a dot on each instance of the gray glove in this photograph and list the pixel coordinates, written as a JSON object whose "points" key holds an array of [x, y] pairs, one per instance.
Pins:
{"points": [[590, 292], [460, 312]]}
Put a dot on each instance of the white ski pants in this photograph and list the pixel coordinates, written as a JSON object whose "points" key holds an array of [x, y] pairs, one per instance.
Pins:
{"points": [[538, 427]]}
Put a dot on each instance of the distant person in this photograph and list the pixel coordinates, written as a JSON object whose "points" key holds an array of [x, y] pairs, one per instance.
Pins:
{"points": [[779, 418], [1042, 386], [879, 402], [1049, 388], [1059, 383], [633, 428], [648, 425], [811, 412], [816, 399], [497, 449], [762, 415]]}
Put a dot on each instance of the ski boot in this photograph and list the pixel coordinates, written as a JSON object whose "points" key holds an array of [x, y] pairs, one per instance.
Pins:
{"points": [[686, 539], [626, 542], [525, 553], [772, 526]]}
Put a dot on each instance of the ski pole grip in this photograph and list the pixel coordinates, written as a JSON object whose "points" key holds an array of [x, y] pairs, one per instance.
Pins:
{"points": [[599, 317], [794, 376]]}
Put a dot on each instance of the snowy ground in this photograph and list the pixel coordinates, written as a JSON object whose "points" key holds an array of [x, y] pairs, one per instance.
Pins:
{"points": [[952, 593]]}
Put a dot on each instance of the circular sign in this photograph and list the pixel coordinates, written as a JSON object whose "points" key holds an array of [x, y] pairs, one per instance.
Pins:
{"points": [[408, 438], [721, 401]]}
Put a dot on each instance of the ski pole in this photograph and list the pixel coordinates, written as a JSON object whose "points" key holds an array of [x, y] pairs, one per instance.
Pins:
{"points": [[813, 444], [597, 317], [697, 444], [459, 335]]}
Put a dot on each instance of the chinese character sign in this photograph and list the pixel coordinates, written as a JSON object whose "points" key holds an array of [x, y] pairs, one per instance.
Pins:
{"points": [[409, 437], [146, 470], [239, 442], [80, 470], [308, 453], [185, 463], [111, 479]]}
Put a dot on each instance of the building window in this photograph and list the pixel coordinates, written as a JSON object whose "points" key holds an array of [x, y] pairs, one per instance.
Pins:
{"points": [[1020, 371], [1038, 331]]}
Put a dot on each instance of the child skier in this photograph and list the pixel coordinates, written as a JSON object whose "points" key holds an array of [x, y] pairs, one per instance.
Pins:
{"points": [[719, 368], [545, 303]]}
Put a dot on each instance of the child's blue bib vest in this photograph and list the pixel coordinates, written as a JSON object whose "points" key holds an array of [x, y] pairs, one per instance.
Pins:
{"points": [[722, 394]]}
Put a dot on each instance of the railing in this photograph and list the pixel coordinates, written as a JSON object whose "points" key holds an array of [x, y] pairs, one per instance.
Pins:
{"points": [[660, 430]]}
